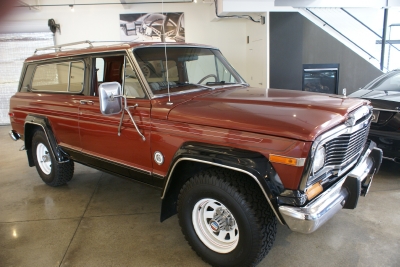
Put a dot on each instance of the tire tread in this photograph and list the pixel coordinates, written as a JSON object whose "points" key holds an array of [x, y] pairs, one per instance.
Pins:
{"points": [[251, 197], [63, 172]]}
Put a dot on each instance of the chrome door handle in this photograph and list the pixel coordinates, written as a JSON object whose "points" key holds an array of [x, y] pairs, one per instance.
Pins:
{"points": [[88, 102]]}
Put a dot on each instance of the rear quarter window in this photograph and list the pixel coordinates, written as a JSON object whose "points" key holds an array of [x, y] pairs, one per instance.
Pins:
{"points": [[63, 77]]}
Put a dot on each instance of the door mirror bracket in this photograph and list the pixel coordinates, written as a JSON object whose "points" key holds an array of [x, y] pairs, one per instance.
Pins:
{"points": [[110, 98]]}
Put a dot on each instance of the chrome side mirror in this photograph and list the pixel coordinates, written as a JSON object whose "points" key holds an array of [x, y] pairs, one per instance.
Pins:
{"points": [[110, 98]]}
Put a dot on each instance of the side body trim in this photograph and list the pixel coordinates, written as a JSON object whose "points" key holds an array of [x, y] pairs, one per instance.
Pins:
{"points": [[115, 168]]}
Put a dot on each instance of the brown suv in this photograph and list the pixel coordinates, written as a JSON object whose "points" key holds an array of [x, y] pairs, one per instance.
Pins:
{"points": [[231, 160]]}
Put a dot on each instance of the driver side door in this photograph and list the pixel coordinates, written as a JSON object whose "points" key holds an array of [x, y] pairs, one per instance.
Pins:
{"points": [[126, 154]]}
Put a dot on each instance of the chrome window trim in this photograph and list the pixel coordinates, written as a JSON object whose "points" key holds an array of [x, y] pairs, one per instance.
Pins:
{"points": [[162, 45], [139, 74], [69, 76], [80, 54], [123, 76], [223, 166], [328, 136]]}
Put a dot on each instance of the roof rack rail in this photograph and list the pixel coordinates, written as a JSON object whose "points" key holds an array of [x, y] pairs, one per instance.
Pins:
{"points": [[58, 47]]}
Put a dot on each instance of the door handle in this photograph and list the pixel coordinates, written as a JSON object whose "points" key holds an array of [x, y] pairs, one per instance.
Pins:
{"points": [[87, 102]]}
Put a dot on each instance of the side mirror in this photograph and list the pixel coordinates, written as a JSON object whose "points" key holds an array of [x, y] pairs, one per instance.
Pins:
{"points": [[110, 98]]}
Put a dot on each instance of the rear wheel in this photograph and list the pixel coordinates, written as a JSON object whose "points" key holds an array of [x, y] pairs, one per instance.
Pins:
{"points": [[226, 219], [52, 172]]}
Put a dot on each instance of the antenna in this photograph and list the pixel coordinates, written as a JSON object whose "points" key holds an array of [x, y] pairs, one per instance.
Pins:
{"points": [[165, 50]]}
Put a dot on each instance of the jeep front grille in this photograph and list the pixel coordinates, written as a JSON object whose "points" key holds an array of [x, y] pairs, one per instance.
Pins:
{"points": [[345, 148]]}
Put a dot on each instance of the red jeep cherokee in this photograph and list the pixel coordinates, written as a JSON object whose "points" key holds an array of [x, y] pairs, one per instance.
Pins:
{"points": [[231, 160]]}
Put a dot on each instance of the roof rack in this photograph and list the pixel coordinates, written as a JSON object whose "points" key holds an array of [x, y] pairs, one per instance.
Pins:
{"points": [[58, 47]]}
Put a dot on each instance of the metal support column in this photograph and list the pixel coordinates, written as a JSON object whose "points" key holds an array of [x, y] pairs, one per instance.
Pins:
{"points": [[385, 19]]}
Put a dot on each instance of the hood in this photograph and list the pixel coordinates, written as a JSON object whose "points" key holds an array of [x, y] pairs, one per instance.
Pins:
{"points": [[286, 113], [393, 96]]}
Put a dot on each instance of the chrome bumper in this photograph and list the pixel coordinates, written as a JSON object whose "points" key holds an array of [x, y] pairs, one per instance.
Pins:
{"points": [[343, 194]]}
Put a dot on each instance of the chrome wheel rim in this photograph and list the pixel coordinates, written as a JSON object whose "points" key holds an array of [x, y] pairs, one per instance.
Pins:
{"points": [[43, 158], [215, 225]]}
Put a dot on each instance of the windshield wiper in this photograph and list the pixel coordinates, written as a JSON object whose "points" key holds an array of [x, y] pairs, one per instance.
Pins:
{"points": [[223, 83], [218, 83], [201, 85]]}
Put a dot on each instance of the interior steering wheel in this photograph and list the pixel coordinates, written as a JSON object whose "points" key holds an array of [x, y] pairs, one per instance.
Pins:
{"points": [[208, 76]]}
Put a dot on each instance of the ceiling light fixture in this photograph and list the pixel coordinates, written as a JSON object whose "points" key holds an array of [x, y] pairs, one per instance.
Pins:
{"points": [[72, 8]]}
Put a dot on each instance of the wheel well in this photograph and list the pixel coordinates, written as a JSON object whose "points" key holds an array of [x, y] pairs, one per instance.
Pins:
{"points": [[181, 174], [30, 130]]}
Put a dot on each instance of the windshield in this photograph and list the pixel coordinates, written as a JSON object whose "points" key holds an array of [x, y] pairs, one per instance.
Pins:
{"points": [[186, 68], [390, 82]]}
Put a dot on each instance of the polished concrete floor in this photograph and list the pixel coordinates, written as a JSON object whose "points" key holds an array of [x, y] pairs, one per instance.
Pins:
{"points": [[101, 220]]}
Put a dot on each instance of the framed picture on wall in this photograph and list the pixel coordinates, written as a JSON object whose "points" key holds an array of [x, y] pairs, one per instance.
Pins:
{"points": [[152, 27]]}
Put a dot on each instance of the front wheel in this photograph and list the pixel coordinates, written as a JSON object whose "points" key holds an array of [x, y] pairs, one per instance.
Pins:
{"points": [[226, 219], [52, 172]]}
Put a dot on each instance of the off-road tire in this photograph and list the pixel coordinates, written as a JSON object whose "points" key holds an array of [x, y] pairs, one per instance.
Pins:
{"points": [[244, 200], [60, 173]]}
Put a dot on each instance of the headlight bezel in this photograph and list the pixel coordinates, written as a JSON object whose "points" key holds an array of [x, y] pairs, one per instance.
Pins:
{"points": [[319, 158]]}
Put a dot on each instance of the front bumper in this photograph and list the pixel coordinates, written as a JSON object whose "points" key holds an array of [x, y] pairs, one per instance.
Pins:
{"points": [[343, 194]]}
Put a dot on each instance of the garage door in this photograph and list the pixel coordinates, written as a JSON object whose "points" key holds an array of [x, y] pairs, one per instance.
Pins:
{"points": [[14, 49]]}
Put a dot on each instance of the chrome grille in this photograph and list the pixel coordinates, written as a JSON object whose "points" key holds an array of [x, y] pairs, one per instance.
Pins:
{"points": [[345, 147]]}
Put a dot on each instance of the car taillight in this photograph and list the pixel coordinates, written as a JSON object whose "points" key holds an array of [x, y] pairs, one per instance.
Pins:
{"points": [[11, 114]]}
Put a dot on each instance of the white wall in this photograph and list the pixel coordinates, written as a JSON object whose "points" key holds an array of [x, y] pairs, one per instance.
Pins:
{"points": [[256, 54], [101, 23]]}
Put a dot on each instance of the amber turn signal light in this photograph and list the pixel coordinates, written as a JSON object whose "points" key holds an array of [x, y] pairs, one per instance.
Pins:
{"points": [[287, 160], [314, 190]]}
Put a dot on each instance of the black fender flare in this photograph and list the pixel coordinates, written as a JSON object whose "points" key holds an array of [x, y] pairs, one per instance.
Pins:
{"points": [[34, 121], [253, 164]]}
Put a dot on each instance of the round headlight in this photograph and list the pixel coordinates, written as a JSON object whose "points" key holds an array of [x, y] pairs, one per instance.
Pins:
{"points": [[319, 159]]}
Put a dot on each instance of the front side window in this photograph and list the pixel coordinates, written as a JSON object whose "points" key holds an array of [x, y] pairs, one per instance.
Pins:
{"points": [[116, 68], [63, 77], [184, 68], [132, 87]]}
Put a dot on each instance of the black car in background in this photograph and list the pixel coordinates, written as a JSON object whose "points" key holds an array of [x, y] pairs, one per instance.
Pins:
{"points": [[384, 94]]}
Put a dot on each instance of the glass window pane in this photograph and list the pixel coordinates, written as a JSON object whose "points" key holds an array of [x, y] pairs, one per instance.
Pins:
{"points": [[187, 67], [51, 77], [132, 86], [54, 77], [100, 69], [198, 69]]}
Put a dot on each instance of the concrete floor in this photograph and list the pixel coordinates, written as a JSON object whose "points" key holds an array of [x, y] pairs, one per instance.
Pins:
{"points": [[101, 220]]}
